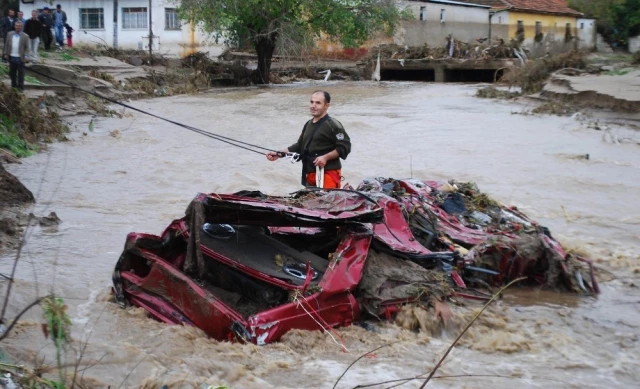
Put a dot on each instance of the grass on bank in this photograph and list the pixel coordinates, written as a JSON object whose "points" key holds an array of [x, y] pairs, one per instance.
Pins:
{"points": [[11, 141], [23, 123]]}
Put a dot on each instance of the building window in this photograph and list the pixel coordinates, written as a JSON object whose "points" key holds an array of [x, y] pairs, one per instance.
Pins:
{"points": [[539, 35], [423, 13], [567, 35], [442, 15], [520, 31], [499, 19], [171, 21], [92, 18], [134, 18], [582, 26]]}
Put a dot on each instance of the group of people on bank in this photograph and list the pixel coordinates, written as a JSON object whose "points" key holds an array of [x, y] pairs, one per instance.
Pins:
{"points": [[22, 38]]}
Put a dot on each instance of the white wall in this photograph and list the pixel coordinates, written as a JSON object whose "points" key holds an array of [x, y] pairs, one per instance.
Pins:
{"points": [[634, 44], [462, 22], [169, 42], [586, 33]]}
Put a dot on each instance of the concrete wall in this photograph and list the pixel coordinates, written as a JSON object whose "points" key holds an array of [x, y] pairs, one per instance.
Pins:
{"points": [[170, 42], [634, 44], [586, 33], [602, 46], [463, 23]]}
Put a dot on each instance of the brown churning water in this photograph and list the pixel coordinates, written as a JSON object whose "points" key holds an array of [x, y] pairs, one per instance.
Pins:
{"points": [[103, 187]]}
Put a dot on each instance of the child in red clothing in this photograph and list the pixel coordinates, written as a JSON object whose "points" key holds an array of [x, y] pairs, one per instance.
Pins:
{"points": [[69, 31]]}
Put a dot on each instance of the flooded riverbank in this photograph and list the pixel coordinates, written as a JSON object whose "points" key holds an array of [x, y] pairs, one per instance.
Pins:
{"points": [[107, 183]]}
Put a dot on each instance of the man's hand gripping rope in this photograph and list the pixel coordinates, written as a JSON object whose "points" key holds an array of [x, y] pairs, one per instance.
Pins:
{"points": [[292, 157]]}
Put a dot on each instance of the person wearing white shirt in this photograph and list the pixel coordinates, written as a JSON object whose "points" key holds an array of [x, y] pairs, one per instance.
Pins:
{"points": [[15, 49]]}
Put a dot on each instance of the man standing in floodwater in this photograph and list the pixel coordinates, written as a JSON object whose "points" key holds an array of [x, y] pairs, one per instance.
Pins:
{"points": [[321, 144]]}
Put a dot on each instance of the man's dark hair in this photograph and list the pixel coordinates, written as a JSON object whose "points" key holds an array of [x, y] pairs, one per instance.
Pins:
{"points": [[327, 96], [58, 6]]}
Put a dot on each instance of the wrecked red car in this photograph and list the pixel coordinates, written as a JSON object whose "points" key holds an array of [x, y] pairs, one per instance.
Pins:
{"points": [[251, 267]]}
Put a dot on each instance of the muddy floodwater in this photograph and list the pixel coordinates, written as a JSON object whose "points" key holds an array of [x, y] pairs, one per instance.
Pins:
{"points": [[138, 173]]}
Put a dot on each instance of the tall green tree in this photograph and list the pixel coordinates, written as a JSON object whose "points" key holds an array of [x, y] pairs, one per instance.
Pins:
{"points": [[617, 20], [628, 18], [263, 22]]}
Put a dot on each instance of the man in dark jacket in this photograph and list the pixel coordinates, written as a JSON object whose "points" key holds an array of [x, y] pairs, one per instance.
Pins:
{"points": [[47, 25], [33, 28], [321, 144], [7, 23]]}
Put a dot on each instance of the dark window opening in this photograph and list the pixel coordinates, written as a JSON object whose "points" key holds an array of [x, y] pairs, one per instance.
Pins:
{"points": [[408, 75], [423, 13], [520, 31], [472, 75], [567, 35], [539, 35]]}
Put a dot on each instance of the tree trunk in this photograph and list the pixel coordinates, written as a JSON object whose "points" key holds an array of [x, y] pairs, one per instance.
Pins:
{"points": [[265, 46]]}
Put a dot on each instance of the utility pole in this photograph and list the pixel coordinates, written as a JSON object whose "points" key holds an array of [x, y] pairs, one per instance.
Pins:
{"points": [[150, 35]]}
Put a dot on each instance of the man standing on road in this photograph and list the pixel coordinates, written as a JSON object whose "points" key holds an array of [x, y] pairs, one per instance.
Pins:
{"points": [[59, 20], [33, 28], [47, 25], [321, 144], [15, 50], [7, 24]]}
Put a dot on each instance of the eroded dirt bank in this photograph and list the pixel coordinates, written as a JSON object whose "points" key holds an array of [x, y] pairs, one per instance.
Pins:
{"points": [[105, 184]]}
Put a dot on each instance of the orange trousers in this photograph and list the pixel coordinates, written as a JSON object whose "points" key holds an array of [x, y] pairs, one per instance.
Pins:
{"points": [[332, 179]]}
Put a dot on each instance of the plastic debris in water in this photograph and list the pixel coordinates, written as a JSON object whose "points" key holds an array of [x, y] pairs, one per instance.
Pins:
{"points": [[91, 125]]}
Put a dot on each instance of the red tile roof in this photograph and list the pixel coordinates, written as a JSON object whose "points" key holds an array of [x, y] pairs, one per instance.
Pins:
{"points": [[546, 6], [537, 6]]}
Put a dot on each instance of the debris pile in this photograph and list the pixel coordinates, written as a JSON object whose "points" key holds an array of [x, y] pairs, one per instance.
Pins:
{"points": [[456, 49], [496, 243], [320, 259], [533, 75]]}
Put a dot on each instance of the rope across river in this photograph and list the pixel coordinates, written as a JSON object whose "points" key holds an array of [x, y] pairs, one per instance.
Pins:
{"points": [[233, 142]]}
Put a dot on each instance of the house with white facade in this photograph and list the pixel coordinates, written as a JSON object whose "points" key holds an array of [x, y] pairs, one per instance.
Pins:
{"points": [[125, 24], [586, 33], [435, 20]]}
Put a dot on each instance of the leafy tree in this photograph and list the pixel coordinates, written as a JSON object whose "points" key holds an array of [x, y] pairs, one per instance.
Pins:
{"points": [[617, 20], [628, 15], [263, 22]]}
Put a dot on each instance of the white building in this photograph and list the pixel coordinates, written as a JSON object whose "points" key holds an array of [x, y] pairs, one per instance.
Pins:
{"points": [[435, 20], [634, 44], [125, 24], [586, 33]]}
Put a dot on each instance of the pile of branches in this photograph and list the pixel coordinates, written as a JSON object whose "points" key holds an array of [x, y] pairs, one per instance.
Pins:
{"points": [[532, 77], [125, 56], [461, 50], [202, 64]]}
